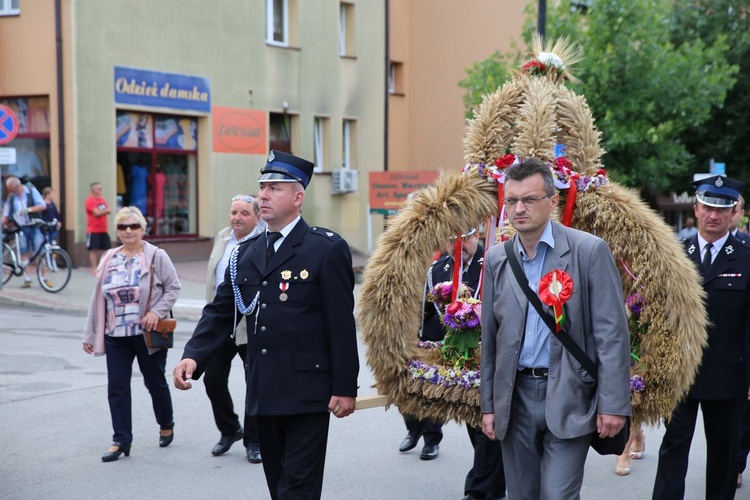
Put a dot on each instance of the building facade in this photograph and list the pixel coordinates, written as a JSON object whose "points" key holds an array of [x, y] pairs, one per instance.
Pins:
{"points": [[174, 105]]}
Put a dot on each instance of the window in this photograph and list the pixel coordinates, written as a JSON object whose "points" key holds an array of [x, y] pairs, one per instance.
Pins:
{"points": [[157, 170], [9, 7], [279, 132], [349, 143], [320, 142], [396, 78], [346, 30], [277, 22]]}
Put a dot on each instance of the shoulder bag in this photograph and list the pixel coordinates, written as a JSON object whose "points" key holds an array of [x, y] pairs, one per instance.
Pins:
{"points": [[604, 446], [162, 336]]}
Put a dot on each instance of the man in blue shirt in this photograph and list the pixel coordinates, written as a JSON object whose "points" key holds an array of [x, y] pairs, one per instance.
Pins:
{"points": [[24, 204]]}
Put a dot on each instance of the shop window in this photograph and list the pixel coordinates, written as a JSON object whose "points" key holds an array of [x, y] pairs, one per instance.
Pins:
{"points": [[320, 143], [346, 30], [157, 170], [280, 132], [32, 143], [9, 7], [396, 78], [349, 143]]}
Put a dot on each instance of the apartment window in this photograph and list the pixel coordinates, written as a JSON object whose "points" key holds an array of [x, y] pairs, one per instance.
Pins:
{"points": [[320, 143], [346, 30], [349, 143], [280, 132], [396, 78], [9, 7], [277, 22]]}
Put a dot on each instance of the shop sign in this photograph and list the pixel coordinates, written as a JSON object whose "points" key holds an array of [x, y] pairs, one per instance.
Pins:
{"points": [[162, 90], [237, 130], [389, 190]]}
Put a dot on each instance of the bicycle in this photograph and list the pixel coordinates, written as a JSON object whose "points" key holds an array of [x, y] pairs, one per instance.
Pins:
{"points": [[53, 264]]}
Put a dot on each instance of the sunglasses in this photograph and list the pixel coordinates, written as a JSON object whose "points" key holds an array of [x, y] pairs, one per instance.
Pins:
{"points": [[133, 227]]}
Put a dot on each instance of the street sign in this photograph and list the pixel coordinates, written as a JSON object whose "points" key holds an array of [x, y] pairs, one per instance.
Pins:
{"points": [[8, 125], [7, 156]]}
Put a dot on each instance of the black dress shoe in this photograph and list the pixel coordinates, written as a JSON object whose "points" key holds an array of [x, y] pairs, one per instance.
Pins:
{"points": [[430, 452], [226, 442], [114, 454], [409, 442], [253, 453], [165, 441]]}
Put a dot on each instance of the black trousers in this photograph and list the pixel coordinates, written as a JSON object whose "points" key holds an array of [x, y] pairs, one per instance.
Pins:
{"points": [[431, 431], [744, 437], [294, 454], [487, 476], [721, 420], [216, 380], [120, 354]]}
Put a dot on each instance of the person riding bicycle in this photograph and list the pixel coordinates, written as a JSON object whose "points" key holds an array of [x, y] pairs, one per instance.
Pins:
{"points": [[24, 203]]}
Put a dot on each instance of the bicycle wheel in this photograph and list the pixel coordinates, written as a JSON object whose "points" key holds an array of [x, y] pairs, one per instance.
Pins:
{"points": [[53, 269], [9, 262]]}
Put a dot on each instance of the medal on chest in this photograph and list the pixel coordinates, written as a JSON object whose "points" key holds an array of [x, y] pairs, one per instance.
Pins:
{"points": [[283, 287]]}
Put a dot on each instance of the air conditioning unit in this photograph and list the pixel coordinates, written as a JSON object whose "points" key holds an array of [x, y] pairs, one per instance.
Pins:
{"points": [[344, 180]]}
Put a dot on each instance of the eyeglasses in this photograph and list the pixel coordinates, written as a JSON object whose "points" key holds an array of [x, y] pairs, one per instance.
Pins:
{"points": [[133, 227], [243, 197], [528, 201]]}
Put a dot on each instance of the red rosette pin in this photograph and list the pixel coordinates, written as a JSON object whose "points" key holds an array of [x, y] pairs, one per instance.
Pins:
{"points": [[555, 288]]}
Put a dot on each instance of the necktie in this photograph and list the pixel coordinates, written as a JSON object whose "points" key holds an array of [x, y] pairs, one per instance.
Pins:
{"points": [[273, 237], [707, 258]]}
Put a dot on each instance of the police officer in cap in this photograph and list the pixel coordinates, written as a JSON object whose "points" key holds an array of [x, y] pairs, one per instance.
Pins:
{"points": [[295, 284], [721, 385]]}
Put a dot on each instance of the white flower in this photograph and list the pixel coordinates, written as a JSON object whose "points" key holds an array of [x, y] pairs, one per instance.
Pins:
{"points": [[551, 59]]}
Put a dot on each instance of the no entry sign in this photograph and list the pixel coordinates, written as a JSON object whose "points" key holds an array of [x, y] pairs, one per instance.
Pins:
{"points": [[8, 125]]}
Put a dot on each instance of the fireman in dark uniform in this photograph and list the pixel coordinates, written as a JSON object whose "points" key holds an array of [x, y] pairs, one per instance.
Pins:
{"points": [[294, 284]]}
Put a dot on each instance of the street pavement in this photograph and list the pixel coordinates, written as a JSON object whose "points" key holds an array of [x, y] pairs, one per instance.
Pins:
{"points": [[55, 424]]}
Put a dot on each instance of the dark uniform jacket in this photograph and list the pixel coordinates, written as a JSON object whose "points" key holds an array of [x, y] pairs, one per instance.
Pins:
{"points": [[723, 370], [442, 270], [301, 350]]}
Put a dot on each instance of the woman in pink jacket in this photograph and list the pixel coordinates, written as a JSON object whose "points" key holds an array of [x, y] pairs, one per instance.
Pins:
{"points": [[118, 316]]}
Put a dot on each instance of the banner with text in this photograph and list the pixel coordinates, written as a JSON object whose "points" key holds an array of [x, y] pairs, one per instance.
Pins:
{"points": [[389, 190], [162, 90], [238, 130]]}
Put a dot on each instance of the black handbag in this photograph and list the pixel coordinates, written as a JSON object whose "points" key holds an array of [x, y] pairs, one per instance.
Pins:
{"points": [[162, 335], [614, 445]]}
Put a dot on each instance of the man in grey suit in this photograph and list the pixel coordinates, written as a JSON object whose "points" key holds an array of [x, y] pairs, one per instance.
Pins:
{"points": [[535, 397]]}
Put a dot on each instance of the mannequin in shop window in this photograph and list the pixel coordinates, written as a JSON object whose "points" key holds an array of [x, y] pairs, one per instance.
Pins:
{"points": [[160, 179], [138, 181]]}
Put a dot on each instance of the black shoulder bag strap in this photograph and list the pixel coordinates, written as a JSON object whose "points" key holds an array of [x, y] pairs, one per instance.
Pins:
{"points": [[562, 335]]}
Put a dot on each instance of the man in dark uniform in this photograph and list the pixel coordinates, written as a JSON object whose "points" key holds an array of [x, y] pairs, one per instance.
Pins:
{"points": [[295, 285], [721, 385]]}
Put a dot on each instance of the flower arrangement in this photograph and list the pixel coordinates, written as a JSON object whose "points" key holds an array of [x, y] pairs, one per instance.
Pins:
{"points": [[461, 320], [635, 304], [442, 292], [444, 376]]}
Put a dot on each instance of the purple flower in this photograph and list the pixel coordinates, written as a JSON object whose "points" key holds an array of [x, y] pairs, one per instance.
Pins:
{"points": [[637, 383], [635, 303]]}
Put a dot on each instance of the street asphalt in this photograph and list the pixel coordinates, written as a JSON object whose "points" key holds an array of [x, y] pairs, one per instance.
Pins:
{"points": [[53, 406]]}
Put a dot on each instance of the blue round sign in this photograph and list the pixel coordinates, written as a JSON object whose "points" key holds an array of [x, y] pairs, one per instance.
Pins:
{"points": [[8, 125]]}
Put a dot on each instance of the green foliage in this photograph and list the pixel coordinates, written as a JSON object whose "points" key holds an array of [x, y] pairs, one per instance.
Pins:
{"points": [[483, 78], [646, 88]]}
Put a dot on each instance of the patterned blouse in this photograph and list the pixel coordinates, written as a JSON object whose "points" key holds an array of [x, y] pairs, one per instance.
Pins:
{"points": [[121, 295]]}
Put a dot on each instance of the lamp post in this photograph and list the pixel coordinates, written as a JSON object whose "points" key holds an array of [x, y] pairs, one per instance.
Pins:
{"points": [[541, 21]]}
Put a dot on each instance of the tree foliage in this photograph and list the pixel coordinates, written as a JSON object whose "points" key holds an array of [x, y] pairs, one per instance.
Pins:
{"points": [[646, 88]]}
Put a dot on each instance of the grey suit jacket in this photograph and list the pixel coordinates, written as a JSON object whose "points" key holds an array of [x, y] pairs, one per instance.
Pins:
{"points": [[220, 244], [596, 321]]}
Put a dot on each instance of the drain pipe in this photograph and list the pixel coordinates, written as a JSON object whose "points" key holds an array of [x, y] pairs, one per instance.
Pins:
{"points": [[60, 120]]}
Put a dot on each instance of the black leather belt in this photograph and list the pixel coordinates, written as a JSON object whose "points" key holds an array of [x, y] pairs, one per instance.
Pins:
{"points": [[535, 372]]}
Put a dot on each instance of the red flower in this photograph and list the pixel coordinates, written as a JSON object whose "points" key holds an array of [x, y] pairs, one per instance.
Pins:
{"points": [[453, 308], [505, 161], [562, 162], [601, 172], [533, 67]]}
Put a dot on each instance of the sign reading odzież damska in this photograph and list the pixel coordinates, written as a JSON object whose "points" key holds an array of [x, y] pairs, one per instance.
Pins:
{"points": [[162, 90]]}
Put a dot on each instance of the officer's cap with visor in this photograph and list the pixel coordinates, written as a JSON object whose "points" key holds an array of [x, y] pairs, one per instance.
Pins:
{"points": [[718, 191], [468, 233], [283, 167]]}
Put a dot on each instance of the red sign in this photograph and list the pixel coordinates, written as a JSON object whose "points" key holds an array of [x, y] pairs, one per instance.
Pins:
{"points": [[238, 130], [8, 124], [389, 190]]}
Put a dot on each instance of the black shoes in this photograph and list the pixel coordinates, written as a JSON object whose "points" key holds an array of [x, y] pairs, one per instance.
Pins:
{"points": [[430, 452], [115, 451], [409, 442], [253, 453], [165, 440], [226, 442]]}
